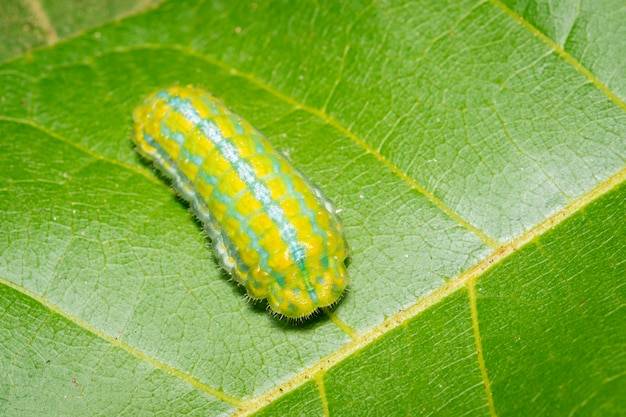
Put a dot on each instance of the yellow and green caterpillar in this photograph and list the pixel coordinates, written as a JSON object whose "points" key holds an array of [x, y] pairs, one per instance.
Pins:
{"points": [[271, 229]]}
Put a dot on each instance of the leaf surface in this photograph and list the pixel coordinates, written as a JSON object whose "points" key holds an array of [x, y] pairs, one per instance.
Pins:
{"points": [[475, 149]]}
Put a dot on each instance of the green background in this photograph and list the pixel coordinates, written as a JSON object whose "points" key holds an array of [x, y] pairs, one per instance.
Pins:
{"points": [[476, 150]]}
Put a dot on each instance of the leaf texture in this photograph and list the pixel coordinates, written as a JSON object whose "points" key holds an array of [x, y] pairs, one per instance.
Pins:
{"points": [[476, 150]]}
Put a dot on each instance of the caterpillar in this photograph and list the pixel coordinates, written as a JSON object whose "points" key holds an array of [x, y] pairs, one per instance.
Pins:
{"points": [[271, 229]]}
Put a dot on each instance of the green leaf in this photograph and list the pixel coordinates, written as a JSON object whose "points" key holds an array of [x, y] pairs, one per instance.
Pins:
{"points": [[26, 24], [476, 150]]}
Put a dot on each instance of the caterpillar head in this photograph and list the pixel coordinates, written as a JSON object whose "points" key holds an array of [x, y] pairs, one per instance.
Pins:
{"points": [[307, 286]]}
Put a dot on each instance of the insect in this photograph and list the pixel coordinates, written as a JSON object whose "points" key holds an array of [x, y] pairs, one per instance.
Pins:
{"points": [[271, 229]]}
